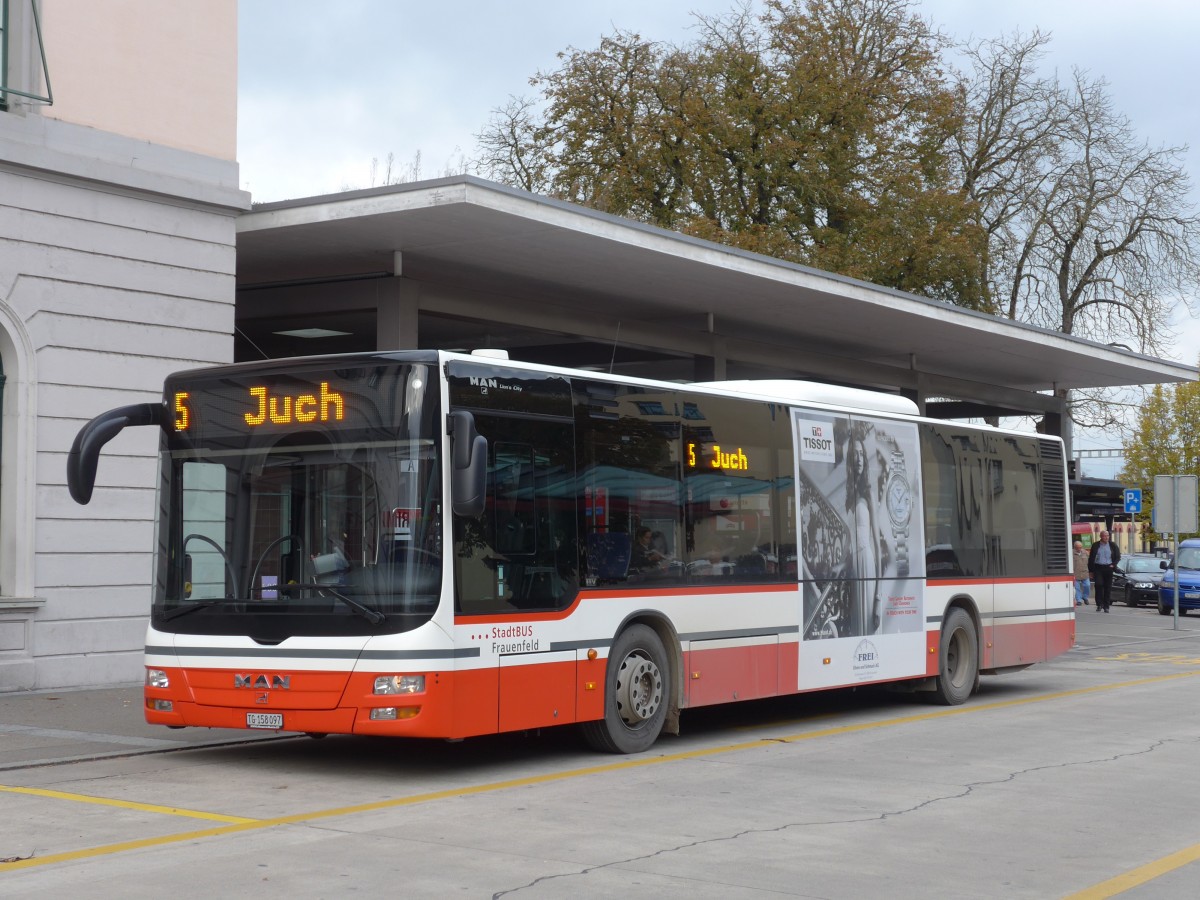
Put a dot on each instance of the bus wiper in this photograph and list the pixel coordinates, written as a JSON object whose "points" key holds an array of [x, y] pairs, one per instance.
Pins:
{"points": [[373, 616], [193, 606]]}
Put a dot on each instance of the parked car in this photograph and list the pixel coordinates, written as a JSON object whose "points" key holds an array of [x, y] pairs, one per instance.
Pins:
{"points": [[1189, 580], [1136, 579]]}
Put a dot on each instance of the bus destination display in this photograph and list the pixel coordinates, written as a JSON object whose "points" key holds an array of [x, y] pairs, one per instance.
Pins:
{"points": [[267, 407]]}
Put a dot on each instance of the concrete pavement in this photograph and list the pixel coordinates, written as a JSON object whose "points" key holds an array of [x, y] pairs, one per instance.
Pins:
{"points": [[47, 727]]}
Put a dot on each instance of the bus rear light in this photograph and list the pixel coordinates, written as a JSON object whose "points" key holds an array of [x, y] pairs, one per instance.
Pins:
{"points": [[391, 713], [157, 678], [400, 684]]}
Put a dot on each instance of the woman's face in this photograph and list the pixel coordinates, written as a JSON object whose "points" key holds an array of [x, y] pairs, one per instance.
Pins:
{"points": [[854, 458]]}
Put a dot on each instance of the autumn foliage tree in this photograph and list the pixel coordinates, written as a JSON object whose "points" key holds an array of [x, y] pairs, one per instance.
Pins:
{"points": [[835, 133], [819, 132], [1166, 437]]}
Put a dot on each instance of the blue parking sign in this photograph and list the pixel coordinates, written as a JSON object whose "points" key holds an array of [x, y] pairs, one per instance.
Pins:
{"points": [[1133, 500]]}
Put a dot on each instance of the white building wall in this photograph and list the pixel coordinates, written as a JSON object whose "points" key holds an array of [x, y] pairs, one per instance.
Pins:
{"points": [[116, 268]]}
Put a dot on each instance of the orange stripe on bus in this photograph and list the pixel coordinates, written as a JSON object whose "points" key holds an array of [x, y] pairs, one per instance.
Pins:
{"points": [[956, 582]]}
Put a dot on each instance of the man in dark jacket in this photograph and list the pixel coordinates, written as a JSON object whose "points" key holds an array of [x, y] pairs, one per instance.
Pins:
{"points": [[1102, 560]]}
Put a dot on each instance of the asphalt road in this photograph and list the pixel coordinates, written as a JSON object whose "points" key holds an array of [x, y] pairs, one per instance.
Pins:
{"points": [[1077, 778]]}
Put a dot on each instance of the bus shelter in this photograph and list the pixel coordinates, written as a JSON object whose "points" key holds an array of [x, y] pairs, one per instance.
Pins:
{"points": [[462, 263]]}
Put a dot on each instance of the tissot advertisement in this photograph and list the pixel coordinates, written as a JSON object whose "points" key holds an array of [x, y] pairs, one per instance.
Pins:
{"points": [[862, 552]]}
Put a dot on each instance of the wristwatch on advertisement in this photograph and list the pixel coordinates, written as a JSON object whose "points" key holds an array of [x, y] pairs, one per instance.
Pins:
{"points": [[898, 496]]}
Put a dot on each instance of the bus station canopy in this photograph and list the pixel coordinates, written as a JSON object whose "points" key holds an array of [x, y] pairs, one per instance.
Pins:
{"points": [[461, 263]]}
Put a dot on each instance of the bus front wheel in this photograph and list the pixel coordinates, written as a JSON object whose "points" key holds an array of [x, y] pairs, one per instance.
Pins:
{"points": [[636, 694], [958, 669]]}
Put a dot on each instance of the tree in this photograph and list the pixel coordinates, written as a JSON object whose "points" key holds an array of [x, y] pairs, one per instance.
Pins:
{"points": [[832, 133], [1166, 437], [1090, 230], [1012, 122], [817, 132]]}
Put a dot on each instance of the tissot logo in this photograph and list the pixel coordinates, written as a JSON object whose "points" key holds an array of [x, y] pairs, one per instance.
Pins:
{"points": [[263, 682], [816, 440]]}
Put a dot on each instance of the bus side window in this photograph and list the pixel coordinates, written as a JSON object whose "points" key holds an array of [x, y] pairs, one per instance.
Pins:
{"points": [[522, 553], [514, 501]]}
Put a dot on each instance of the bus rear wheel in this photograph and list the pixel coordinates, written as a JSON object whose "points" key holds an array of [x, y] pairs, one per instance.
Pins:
{"points": [[636, 694], [958, 669]]}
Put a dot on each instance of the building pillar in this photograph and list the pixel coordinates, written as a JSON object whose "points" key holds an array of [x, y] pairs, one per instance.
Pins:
{"points": [[713, 367], [396, 314]]}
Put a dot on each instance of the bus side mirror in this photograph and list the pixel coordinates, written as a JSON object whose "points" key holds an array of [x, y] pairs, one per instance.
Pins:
{"points": [[85, 450], [469, 457]]}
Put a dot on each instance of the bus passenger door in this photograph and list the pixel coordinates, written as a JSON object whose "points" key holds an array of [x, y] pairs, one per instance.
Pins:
{"points": [[518, 563]]}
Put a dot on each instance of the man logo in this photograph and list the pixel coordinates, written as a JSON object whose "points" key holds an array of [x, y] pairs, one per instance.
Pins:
{"points": [[263, 683]]}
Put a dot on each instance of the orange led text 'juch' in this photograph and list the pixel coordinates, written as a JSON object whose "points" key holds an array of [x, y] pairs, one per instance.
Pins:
{"points": [[283, 409]]}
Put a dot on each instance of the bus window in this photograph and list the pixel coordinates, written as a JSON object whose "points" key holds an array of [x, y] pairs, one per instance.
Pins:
{"points": [[735, 465], [522, 553], [629, 483]]}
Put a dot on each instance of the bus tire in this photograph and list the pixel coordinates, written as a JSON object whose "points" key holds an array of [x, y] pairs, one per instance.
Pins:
{"points": [[958, 659], [636, 694]]}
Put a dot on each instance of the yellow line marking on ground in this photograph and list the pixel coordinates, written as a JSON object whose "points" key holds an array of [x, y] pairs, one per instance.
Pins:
{"points": [[125, 804], [959, 710], [142, 844], [1141, 875], [549, 778]]}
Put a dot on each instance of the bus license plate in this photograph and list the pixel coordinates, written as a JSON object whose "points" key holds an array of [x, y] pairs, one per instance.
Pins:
{"points": [[264, 720]]}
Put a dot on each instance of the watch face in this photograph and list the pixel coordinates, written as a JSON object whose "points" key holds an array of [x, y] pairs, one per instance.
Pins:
{"points": [[899, 501]]}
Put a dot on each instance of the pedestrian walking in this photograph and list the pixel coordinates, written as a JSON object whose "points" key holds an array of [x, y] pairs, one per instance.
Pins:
{"points": [[1102, 560], [1083, 578]]}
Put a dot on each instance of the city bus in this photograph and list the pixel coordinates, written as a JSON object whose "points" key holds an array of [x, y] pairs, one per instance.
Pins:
{"points": [[443, 545]]}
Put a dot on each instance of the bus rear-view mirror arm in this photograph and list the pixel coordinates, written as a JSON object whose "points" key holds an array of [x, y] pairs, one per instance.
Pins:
{"points": [[85, 450], [469, 458]]}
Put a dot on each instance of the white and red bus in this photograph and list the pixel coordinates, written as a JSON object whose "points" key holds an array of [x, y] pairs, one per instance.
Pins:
{"points": [[443, 545]]}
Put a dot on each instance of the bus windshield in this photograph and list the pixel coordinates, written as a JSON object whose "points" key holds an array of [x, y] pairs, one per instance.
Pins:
{"points": [[308, 503]]}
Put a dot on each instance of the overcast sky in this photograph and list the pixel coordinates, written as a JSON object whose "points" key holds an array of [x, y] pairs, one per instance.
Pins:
{"points": [[325, 88]]}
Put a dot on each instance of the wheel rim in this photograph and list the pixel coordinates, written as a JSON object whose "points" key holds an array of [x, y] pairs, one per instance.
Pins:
{"points": [[639, 689], [957, 654]]}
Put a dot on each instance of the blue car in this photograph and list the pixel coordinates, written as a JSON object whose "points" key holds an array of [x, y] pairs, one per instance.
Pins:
{"points": [[1189, 580]]}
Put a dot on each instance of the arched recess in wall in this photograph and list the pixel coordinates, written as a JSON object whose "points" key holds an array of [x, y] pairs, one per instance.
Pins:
{"points": [[18, 470]]}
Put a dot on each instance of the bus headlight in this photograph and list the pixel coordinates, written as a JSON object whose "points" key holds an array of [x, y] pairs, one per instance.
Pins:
{"points": [[400, 684], [157, 678]]}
